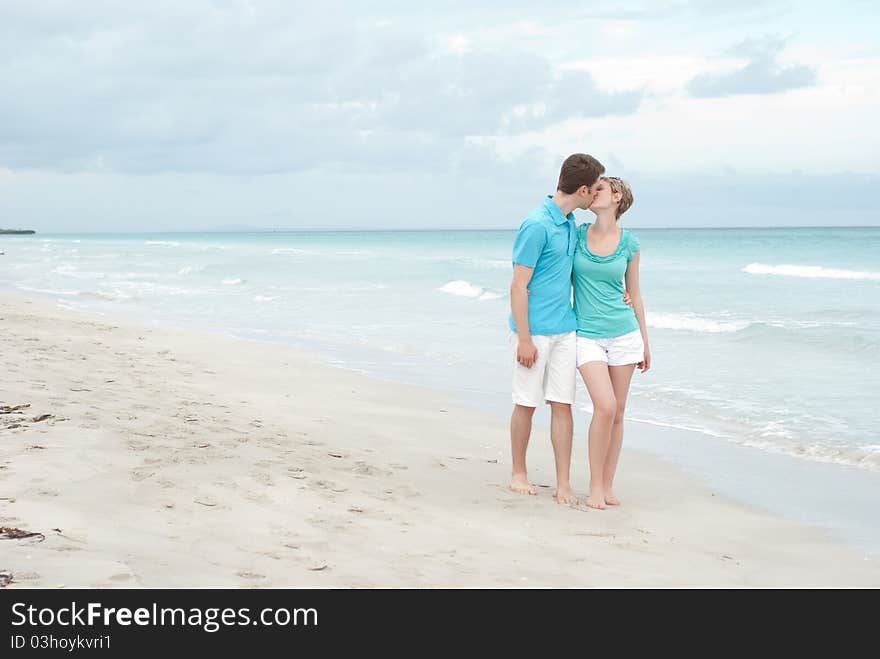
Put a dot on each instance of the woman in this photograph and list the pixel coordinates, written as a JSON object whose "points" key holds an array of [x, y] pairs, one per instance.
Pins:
{"points": [[612, 338]]}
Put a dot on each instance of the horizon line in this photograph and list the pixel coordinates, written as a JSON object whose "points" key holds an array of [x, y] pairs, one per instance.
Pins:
{"points": [[428, 230]]}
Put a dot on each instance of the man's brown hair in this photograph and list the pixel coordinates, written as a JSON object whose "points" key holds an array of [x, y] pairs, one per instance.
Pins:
{"points": [[577, 170]]}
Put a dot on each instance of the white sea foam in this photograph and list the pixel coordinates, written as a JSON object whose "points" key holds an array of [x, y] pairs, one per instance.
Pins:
{"points": [[337, 289], [288, 250], [864, 457], [676, 426], [232, 282], [808, 271], [99, 295], [265, 298], [496, 264], [48, 291], [466, 289], [170, 243], [462, 288], [778, 437], [694, 323]]}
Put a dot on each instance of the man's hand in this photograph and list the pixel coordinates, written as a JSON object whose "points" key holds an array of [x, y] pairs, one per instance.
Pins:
{"points": [[526, 353], [627, 299]]}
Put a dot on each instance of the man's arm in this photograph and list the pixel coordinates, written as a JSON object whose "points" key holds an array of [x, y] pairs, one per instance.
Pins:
{"points": [[526, 352]]}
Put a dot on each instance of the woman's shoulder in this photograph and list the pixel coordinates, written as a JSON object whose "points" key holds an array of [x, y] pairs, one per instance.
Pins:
{"points": [[632, 242]]}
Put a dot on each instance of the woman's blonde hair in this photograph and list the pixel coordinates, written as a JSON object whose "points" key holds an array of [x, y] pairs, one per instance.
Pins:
{"points": [[626, 193]]}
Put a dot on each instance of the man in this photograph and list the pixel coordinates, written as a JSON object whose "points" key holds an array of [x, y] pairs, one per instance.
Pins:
{"points": [[543, 322]]}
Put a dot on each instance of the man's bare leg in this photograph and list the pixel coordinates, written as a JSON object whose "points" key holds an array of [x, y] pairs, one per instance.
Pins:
{"points": [[620, 376], [520, 430], [561, 428], [595, 375]]}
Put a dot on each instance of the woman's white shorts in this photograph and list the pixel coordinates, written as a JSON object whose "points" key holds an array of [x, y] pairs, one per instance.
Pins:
{"points": [[552, 377], [616, 351]]}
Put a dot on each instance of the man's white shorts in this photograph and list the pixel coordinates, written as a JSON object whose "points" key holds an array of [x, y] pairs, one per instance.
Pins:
{"points": [[616, 351], [552, 377]]}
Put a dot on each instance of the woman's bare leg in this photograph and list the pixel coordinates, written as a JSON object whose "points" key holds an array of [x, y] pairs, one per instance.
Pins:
{"points": [[620, 378], [598, 381]]}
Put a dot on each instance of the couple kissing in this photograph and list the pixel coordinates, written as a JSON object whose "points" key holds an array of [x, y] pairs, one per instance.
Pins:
{"points": [[576, 307]]}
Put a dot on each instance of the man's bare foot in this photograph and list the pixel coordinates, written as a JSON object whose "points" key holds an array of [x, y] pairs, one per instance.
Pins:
{"points": [[520, 484], [611, 500], [564, 495], [596, 499]]}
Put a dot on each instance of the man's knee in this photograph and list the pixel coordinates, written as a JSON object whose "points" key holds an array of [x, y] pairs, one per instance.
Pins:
{"points": [[523, 411], [563, 409]]}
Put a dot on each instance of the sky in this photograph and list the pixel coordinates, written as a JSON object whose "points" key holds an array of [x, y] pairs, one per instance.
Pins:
{"points": [[237, 114]]}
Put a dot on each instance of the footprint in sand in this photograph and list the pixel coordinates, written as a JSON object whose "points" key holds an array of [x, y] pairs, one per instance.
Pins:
{"points": [[328, 485], [263, 478], [26, 576], [364, 469], [296, 472], [244, 574]]}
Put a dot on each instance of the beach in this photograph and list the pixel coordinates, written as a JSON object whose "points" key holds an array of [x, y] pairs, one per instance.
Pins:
{"points": [[176, 457]]}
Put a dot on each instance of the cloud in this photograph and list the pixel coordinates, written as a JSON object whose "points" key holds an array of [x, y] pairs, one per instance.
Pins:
{"points": [[761, 75], [257, 88]]}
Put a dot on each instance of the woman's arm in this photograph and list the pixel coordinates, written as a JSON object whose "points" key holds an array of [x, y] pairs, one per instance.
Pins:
{"points": [[638, 305]]}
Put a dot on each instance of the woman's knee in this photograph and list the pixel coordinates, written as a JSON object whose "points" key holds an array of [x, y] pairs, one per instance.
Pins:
{"points": [[605, 409]]}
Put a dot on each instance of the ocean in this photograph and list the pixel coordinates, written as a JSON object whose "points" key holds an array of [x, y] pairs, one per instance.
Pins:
{"points": [[764, 339]]}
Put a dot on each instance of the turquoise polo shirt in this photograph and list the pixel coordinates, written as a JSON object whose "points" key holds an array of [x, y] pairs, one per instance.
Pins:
{"points": [[546, 242]]}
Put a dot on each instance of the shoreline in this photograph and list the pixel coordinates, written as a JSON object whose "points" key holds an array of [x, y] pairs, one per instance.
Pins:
{"points": [[183, 458]]}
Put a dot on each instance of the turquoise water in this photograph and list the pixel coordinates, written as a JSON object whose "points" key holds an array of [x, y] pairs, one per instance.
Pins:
{"points": [[763, 340], [760, 337]]}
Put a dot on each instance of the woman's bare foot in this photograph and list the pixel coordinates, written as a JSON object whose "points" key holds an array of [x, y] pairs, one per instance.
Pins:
{"points": [[520, 484], [564, 495], [596, 499], [611, 500]]}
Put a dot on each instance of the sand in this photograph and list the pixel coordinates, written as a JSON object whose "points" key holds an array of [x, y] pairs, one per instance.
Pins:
{"points": [[177, 458]]}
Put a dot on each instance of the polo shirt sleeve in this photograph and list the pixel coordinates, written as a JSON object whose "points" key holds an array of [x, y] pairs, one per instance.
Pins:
{"points": [[529, 243]]}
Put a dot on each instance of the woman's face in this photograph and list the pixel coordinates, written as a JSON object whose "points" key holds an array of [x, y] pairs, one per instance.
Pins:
{"points": [[602, 196]]}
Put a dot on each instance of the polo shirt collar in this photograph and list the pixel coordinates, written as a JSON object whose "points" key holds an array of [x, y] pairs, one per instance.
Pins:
{"points": [[559, 219], [556, 212]]}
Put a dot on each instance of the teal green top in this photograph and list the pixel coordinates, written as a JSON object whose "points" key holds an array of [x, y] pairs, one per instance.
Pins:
{"points": [[598, 288]]}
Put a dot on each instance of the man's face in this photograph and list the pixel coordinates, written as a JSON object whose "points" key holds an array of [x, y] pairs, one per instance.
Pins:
{"points": [[589, 193], [585, 196]]}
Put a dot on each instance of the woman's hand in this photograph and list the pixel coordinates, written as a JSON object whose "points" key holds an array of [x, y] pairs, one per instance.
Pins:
{"points": [[627, 300], [645, 364]]}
